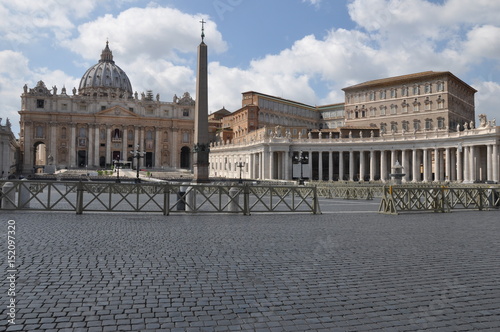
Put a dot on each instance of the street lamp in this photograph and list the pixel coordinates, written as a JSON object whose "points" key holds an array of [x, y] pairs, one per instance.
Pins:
{"points": [[240, 165], [117, 167], [301, 158], [137, 155]]}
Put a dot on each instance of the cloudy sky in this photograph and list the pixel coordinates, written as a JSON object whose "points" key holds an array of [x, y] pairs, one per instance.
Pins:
{"points": [[304, 50]]}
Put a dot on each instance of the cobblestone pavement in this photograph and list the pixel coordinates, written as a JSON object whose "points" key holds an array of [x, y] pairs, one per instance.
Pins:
{"points": [[348, 271]]}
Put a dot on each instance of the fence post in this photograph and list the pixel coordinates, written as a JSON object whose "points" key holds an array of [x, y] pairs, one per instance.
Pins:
{"points": [[480, 191], [246, 200], [166, 199], [79, 198]]}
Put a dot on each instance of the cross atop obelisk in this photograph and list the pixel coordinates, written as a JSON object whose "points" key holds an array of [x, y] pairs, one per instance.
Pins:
{"points": [[201, 139], [202, 29]]}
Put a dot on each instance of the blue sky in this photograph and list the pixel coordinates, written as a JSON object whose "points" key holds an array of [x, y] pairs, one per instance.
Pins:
{"points": [[304, 50]]}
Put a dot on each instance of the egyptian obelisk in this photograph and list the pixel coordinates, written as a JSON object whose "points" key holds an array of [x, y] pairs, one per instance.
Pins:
{"points": [[201, 140]]}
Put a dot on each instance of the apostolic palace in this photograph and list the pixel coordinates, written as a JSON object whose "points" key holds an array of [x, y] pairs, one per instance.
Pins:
{"points": [[424, 122]]}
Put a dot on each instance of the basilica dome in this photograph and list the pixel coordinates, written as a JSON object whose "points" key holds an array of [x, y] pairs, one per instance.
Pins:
{"points": [[105, 77]]}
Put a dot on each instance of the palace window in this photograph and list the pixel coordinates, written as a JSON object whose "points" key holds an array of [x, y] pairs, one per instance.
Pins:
{"points": [[440, 103], [382, 94], [416, 124], [404, 91], [427, 104], [185, 138], [372, 96], [383, 128], [404, 107], [394, 127], [185, 112], [394, 93], [416, 106], [382, 110], [428, 88], [440, 86], [40, 103], [394, 109], [440, 123], [405, 125], [428, 124], [82, 132], [64, 107], [416, 90], [63, 132]]}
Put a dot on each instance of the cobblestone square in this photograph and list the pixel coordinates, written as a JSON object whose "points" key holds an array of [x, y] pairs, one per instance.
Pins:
{"points": [[349, 269]]}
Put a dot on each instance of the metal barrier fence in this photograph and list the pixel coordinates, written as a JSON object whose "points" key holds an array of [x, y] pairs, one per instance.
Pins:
{"points": [[348, 190], [166, 198], [399, 198]]}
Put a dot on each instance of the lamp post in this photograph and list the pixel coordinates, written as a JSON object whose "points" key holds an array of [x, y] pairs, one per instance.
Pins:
{"points": [[137, 155], [302, 159], [240, 165]]}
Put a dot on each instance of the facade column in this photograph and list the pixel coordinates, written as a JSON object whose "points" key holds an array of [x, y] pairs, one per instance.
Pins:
{"points": [[90, 145], [473, 164], [72, 146], [383, 166], [467, 164], [141, 147], [453, 165], [330, 166], [489, 162], [425, 157], [272, 169], [97, 133], [136, 143], [125, 152], [447, 165], [496, 167], [372, 165], [415, 166], [341, 165], [108, 145], [362, 166], [393, 160], [351, 165], [459, 165], [320, 166], [174, 149], [53, 141], [405, 156], [437, 165], [158, 143], [286, 162]]}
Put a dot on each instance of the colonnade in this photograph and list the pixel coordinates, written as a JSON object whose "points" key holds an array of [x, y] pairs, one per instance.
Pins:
{"points": [[425, 163]]}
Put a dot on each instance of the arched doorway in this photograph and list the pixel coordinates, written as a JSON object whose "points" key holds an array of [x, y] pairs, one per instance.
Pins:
{"points": [[185, 157], [40, 157]]}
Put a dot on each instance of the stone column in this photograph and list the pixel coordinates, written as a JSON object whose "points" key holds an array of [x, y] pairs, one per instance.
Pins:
{"points": [[473, 164], [351, 165], [405, 156], [287, 166], [459, 165], [72, 146], [97, 144], [108, 146], [141, 147], [496, 168], [437, 165], [330, 166], [157, 143], [383, 166], [320, 166], [416, 166], [53, 142], [453, 165], [90, 145], [341, 165], [447, 166], [426, 163], [372, 165], [125, 151], [467, 164], [271, 165], [174, 149], [28, 148], [362, 166], [394, 158]]}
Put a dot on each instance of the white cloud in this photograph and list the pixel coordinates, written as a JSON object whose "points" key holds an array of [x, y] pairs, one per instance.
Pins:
{"points": [[158, 32], [488, 99], [313, 2], [25, 21], [14, 73]]}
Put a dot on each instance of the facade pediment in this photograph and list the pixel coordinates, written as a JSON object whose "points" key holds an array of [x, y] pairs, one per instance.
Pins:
{"points": [[117, 111]]}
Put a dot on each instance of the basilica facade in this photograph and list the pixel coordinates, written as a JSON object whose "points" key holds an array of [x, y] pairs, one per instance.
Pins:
{"points": [[102, 122]]}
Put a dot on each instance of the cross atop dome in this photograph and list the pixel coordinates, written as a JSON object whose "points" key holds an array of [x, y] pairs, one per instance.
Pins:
{"points": [[107, 55]]}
